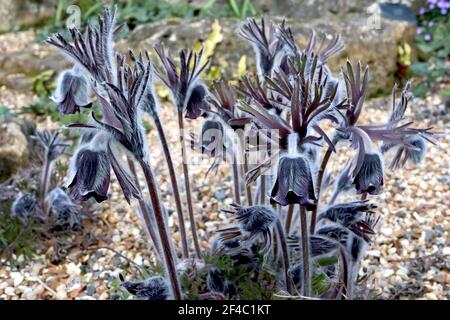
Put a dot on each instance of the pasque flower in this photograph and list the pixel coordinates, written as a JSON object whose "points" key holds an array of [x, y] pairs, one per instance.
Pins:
{"points": [[224, 101], [294, 182], [368, 169], [92, 54], [153, 288], [24, 207], [414, 147], [266, 43], [65, 213], [370, 177], [188, 92], [89, 174], [72, 91]]}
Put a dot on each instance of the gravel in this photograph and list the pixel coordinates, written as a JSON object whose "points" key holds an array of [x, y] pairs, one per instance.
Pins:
{"points": [[409, 259]]}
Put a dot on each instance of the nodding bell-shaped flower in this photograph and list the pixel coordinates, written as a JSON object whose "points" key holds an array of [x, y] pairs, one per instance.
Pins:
{"points": [[294, 182], [65, 213], [212, 139], [24, 207], [196, 105], [153, 288], [188, 93], [72, 92], [89, 174], [369, 178], [368, 172], [413, 148]]}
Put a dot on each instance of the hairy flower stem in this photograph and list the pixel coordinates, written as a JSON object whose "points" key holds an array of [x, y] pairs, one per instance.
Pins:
{"points": [[187, 185], [262, 195], [236, 182], [145, 213], [364, 196], [45, 181], [174, 182], [334, 197], [158, 212], [305, 252], [320, 174], [284, 252], [288, 222], [248, 188]]}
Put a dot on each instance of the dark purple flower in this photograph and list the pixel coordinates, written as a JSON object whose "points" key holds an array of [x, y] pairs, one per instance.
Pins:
{"points": [[294, 183], [24, 207], [369, 178], [212, 139], [411, 148], [89, 175], [224, 100], [153, 288], [72, 92], [92, 51], [422, 11], [197, 104], [188, 93]]}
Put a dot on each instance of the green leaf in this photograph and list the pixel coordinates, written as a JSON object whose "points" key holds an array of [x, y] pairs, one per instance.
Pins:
{"points": [[420, 68], [320, 284], [327, 261], [421, 89], [235, 8]]}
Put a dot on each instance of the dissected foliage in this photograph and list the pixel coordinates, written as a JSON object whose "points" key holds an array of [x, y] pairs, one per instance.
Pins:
{"points": [[261, 255]]}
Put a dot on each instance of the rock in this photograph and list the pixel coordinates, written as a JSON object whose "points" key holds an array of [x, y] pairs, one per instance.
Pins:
{"points": [[307, 9], [90, 290], [17, 278], [14, 149], [19, 67], [10, 291], [388, 272], [16, 13], [374, 46], [386, 231], [428, 235], [219, 195]]}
